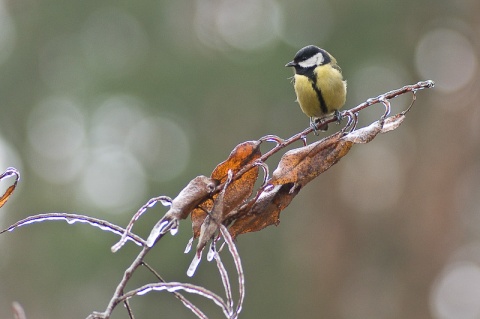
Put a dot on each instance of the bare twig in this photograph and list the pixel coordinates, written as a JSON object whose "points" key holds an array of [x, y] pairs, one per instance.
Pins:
{"points": [[126, 303]]}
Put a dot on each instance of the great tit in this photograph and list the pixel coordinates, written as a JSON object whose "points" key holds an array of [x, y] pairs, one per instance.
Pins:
{"points": [[318, 83]]}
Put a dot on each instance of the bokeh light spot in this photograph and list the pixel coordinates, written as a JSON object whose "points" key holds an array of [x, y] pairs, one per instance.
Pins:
{"points": [[161, 145], [113, 180], [245, 25], [56, 134], [456, 292], [447, 57], [157, 145], [56, 127], [114, 116]]}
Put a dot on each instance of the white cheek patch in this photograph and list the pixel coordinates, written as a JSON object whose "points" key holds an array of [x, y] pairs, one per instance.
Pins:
{"points": [[315, 60]]}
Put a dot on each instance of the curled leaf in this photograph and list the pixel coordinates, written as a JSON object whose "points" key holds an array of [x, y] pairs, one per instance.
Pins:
{"points": [[196, 192], [213, 220], [9, 172], [299, 166], [193, 194], [243, 154], [264, 210], [303, 164], [238, 190]]}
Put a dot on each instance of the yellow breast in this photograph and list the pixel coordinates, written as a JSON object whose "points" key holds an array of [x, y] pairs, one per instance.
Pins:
{"points": [[334, 89], [331, 85], [307, 97]]}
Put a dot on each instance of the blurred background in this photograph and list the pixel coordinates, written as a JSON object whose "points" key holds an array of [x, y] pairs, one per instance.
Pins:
{"points": [[104, 105]]}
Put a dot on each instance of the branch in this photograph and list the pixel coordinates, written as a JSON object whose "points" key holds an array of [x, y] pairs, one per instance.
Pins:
{"points": [[73, 218]]}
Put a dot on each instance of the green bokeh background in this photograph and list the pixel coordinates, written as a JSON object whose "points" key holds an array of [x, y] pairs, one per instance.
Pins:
{"points": [[106, 104]]}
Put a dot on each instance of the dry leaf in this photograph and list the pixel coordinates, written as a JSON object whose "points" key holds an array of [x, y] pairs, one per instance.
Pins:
{"points": [[7, 194], [299, 166], [244, 154], [9, 172], [213, 220], [197, 191], [264, 211]]}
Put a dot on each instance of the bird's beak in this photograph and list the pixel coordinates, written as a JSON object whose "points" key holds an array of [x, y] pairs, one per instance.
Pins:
{"points": [[291, 63]]}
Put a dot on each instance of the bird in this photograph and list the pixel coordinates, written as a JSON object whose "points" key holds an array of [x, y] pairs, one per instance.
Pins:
{"points": [[318, 84]]}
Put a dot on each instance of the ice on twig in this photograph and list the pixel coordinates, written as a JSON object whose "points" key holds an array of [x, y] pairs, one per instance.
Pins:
{"points": [[165, 200], [189, 246], [72, 219], [211, 251], [193, 266], [165, 224], [174, 231]]}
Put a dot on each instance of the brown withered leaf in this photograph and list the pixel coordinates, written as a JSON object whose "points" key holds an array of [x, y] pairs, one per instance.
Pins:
{"points": [[212, 221], [196, 192], [9, 172], [243, 154], [199, 214], [368, 133], [7, 194], [299, 166], [237, 191], [264, 211]]}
